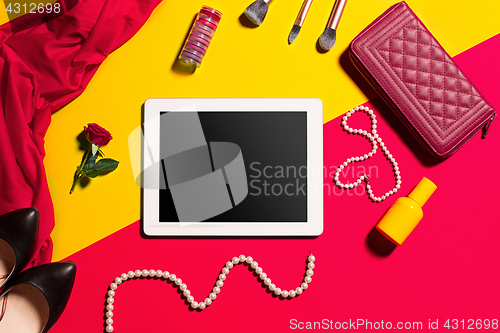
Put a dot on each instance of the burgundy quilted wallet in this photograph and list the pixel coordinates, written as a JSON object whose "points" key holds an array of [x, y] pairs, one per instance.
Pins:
{"points": [[417, 78]]}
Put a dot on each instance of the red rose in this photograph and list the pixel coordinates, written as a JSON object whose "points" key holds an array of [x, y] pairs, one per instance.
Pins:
{"points": [[97, 135]]}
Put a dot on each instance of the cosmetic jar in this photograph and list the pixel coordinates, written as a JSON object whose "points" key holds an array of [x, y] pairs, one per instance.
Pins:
{"points": [[200, 36]]}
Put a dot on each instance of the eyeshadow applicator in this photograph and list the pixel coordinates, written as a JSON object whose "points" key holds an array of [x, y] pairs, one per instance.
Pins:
{"points": [[299, 21], [257, 11], [329, 36]]}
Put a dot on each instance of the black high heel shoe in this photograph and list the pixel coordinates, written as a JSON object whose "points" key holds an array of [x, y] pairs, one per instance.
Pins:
{"points": [[18, 232], [37, 298]]}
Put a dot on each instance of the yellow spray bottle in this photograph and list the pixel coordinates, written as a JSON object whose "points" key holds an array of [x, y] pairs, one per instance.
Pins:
{"points": [[400, 220]]}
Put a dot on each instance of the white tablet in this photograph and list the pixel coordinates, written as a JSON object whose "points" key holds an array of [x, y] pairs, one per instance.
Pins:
{"points": [[232, 167]]}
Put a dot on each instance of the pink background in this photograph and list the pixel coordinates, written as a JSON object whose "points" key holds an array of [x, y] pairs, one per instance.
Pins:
{"points": [[447, 268]]}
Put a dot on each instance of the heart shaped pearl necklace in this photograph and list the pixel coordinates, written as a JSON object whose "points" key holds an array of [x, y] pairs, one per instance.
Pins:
{"points": [[375, 140], [216, 290]]}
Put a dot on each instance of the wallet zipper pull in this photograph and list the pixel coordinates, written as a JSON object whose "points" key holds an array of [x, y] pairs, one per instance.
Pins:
{"points": [[487, 127]]}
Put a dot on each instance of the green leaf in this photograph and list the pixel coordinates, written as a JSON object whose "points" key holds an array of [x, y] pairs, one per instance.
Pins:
{"points": [[92, 174], [90, 162], [106, 164]]}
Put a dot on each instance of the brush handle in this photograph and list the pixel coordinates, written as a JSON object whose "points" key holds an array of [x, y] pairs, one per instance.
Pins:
{"points": [[303, 12], [336, 14]]}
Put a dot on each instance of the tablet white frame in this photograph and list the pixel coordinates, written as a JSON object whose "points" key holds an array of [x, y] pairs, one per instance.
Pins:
{"points": [[150, 145]]}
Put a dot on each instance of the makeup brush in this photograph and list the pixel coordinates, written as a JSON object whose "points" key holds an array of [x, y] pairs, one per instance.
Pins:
{"points": [[299, 21], [257, 11], [329, 36]]}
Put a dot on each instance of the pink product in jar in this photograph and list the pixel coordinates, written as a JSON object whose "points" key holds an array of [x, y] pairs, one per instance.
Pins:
{"points": [[200, 36]]}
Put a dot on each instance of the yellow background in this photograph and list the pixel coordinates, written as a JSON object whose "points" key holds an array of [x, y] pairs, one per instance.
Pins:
{"points": [[241, 62]]}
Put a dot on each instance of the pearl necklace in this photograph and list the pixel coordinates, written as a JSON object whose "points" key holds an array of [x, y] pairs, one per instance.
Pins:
{"points": [[216, 290], [375, 141]]}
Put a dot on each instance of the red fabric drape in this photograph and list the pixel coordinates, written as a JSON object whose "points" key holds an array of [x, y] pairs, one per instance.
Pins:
{"points": [[46, 61]]}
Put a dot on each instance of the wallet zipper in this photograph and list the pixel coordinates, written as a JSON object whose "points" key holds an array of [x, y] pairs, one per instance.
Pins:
{"points": [[487, 126]]}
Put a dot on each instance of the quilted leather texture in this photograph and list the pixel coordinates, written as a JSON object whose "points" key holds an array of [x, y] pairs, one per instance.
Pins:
{"points": [[420, 81]]}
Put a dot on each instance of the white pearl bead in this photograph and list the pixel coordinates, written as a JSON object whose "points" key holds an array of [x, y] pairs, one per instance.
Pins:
{"points": [[225, 271], [229, 265], [242, 258], [272, 287], [222, 277], [350, 130], [145, 273], [159, 274], [304, 286], [183, 287], [235, 260], [109, 321], [137, 273], [308, 279], [110, 307], [398, 187], [311, 258], [277, 291], [178, 281], [190, 299], [111, 293], [262, 276], [166, 275], [109, 329], [201, 306], [212, 296], [110, 300], [208, 301], [310, 272], [292, 293], [258, 270], [130, 274], [172, 277], [311, 265], [113, 286], [299, 290], [267, 281], [254, 264], [124, 277], [152, 273], [216, 290], [249, 260], [109, 314], [186, 293], [219, 283], [194, 305], [284, 293]]}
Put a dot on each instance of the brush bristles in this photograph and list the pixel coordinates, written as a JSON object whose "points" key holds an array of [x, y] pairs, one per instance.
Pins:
{"points": [[257, 11], [327, 39], [293, 34]]}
